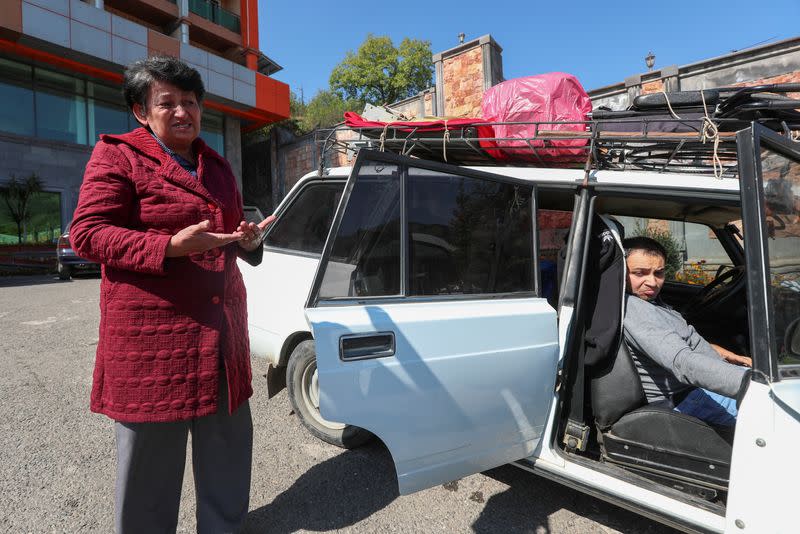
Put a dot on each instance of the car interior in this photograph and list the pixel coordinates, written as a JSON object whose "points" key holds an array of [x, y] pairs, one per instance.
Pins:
{"points": [[682, 455]]}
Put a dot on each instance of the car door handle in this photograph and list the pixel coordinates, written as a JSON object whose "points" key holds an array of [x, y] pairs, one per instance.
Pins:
{"points": [[366, 346]]}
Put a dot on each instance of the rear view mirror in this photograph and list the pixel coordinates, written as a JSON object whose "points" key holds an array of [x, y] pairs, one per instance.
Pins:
{"points": [[792, 338]]}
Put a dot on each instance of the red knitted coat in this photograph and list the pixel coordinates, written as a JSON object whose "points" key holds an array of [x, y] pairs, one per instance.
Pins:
{"points": [[165, 323]]}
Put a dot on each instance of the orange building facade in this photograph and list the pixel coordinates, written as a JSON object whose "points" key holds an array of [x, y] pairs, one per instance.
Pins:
{"points": [[61, 65]]}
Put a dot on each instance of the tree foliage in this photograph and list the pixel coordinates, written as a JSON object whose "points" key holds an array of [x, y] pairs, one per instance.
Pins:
{"points": [[326, 109], [380, 73], [17, 195]]}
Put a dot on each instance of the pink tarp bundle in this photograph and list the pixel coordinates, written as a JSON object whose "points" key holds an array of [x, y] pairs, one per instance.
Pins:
{"points": [[551, 97]]}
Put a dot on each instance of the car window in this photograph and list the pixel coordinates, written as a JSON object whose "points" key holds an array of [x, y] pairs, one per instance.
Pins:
{"points": [[782, 202], [304, 225], [468, 235], [553, 229], [365, 253], [694, 253]]}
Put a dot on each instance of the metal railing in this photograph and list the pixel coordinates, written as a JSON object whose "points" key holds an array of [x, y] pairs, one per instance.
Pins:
{"points": [[216, 14]]}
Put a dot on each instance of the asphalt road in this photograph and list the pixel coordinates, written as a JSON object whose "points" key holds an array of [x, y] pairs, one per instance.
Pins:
{"points": [[57, 458]]}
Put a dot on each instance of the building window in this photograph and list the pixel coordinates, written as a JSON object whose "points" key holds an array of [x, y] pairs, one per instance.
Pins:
{"points": [[213, 131], [16, 91], [107, 115], [60, 107], [42, 224], [56, 106]]}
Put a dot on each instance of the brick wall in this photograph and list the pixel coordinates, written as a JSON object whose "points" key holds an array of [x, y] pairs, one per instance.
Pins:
{"points": [[463, 83], [789, 77], [298, 159], [652, 87]]}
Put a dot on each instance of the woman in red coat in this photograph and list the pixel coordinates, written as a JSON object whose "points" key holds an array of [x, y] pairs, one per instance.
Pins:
{"points": [[161, 212]]}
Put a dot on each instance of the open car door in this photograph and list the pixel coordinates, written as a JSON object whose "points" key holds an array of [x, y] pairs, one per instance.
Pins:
{"points": [[430, 330], [764, 472]]}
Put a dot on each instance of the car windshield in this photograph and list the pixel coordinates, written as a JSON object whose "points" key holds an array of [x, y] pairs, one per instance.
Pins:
{"points": [[781, 178]]}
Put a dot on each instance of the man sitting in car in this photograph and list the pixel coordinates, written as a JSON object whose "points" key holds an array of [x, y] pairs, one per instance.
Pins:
{"points": [[676, 365]]}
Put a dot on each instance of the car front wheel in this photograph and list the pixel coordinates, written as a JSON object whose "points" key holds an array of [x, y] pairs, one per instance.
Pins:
{"points": [[64, 271], [303, 387]]}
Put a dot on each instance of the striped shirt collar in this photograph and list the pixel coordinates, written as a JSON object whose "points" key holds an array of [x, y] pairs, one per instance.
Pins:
{"points": [[190, 167]]}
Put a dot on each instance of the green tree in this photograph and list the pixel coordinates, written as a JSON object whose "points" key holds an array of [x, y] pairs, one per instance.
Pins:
{"points": [[17, 195], [326, 109], [380, 73]]}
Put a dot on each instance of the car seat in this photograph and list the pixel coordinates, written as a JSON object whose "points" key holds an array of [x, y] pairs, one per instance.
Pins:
{"points": [[654, 440]]}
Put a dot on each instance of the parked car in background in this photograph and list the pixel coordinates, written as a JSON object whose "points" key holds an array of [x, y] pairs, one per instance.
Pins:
{"points": [[68, 261]]}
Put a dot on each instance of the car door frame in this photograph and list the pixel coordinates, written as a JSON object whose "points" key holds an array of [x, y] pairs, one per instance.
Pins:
{"points": [[314, 300], [768, 425]]}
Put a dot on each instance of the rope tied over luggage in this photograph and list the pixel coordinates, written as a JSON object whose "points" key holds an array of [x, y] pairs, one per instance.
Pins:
{"points": [[711, 132], [708, 132], [383, 135], [669, 106]]}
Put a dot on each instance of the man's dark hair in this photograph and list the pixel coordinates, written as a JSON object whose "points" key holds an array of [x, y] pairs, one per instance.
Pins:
{"points": [[647, 245], [140, 75]]}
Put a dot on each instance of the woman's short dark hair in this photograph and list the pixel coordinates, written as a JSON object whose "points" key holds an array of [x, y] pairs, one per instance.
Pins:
{"points": [[140, 75], [646, 245]]}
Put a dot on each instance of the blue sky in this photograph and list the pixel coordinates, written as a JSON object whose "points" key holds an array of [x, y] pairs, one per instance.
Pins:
{"points": [[599, 42]]}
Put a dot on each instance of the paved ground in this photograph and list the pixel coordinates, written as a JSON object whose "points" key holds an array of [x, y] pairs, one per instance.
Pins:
{"points": [[57, 459]]}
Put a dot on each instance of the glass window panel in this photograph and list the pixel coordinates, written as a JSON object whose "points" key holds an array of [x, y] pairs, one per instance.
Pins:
{"points": [[365, 258], [60, 116], [553, 229], [12, 70], [305, 224], [43, 224], [781, 178], [468, 236], [212, 131], [16, 115], [105, 93], [61, 82], [695, 253], [106, 118]]}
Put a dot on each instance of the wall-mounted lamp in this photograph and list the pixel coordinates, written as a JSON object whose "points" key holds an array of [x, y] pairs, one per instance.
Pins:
{"points": [[650, 60]]}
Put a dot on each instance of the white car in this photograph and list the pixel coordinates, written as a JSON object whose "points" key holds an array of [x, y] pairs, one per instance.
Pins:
{"points": [[277, 290], [452, 310]]}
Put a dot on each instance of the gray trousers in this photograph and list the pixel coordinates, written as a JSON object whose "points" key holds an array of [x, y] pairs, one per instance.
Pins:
{"points": [[150, 465]]}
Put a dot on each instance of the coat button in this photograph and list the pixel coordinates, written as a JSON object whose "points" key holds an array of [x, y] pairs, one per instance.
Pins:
{"points": [[217, 252], [212, 206], [215, 299]]}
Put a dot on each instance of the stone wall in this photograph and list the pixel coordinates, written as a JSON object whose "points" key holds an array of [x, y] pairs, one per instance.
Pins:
{"points": [[773, 63], [416, 107], [287, 158], [464, 73], [463, 84]]}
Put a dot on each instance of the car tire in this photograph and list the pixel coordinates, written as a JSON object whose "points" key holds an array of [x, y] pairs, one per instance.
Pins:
{"points": [[64, 271], [301, 382]]}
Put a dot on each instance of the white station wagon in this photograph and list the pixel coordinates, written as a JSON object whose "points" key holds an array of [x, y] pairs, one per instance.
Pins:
{"points": [[449, 312]]}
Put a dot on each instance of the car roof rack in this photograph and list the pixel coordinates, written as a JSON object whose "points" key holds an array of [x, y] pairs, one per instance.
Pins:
{"points": [[696, 145]]}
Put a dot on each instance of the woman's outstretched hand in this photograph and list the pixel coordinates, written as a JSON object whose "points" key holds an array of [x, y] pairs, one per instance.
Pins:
{"points": [[196, 238], [253, 233]]}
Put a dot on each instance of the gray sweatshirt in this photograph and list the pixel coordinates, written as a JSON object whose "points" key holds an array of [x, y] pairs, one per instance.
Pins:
{"points": [[671, 356]]}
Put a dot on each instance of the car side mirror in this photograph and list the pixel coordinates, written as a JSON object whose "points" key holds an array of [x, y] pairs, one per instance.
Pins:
{"points": [[792, 338]]}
